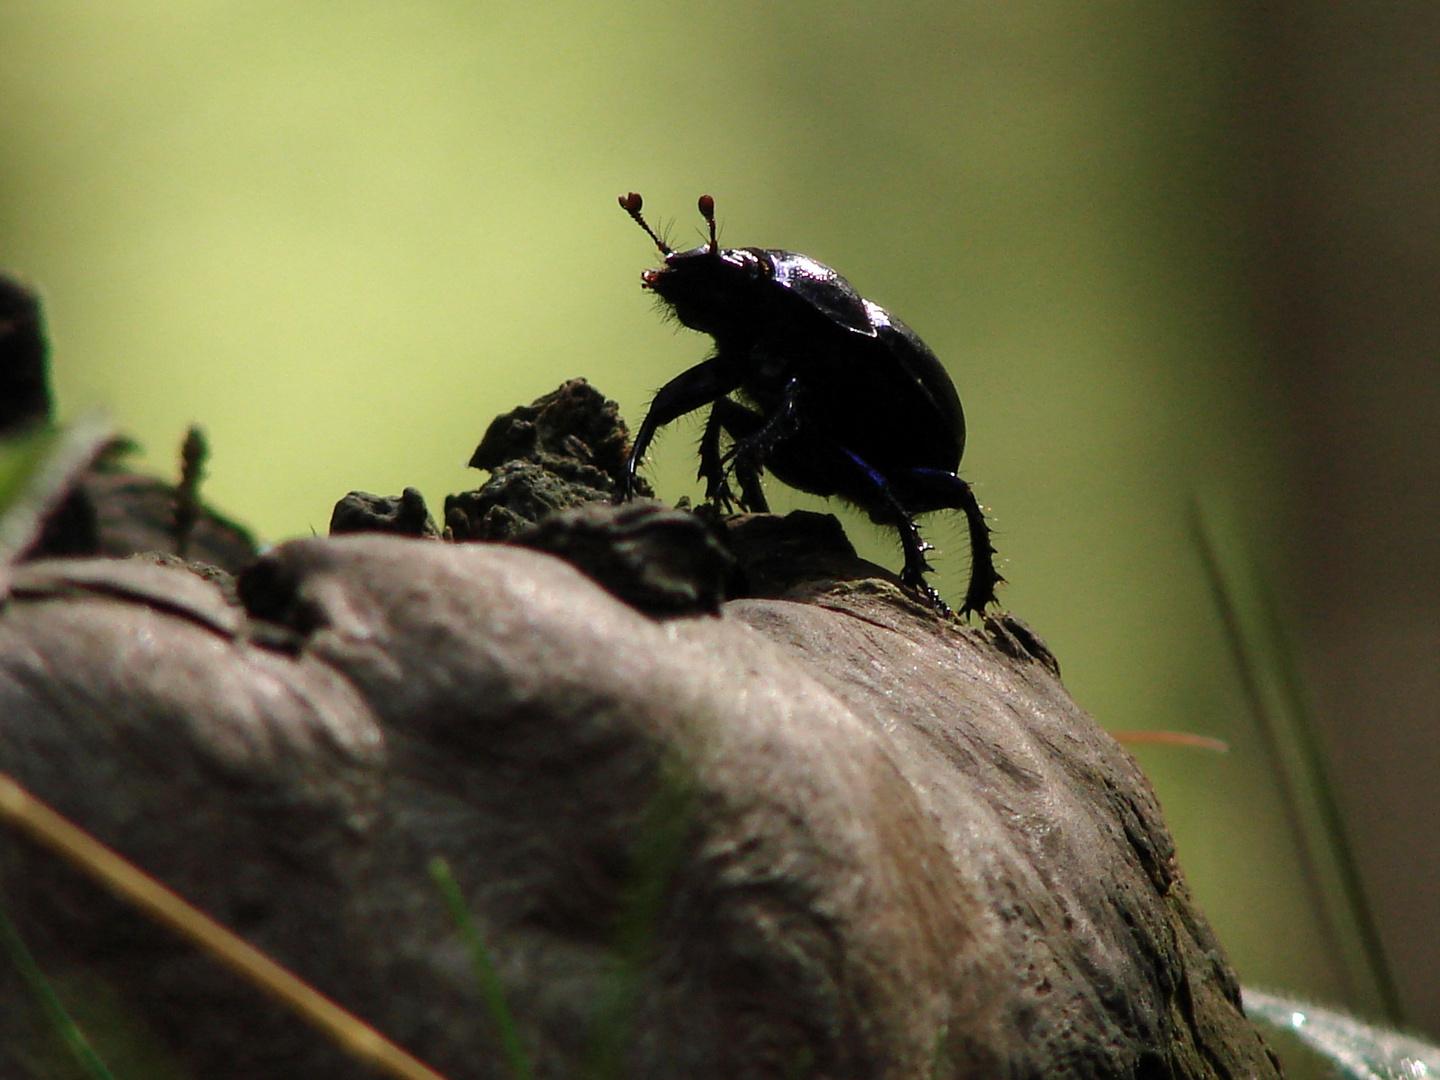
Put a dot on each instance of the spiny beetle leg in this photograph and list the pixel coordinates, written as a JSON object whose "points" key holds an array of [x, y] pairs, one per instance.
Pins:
{"points": [[749, 452], [690, 390], [731, 418], [949, 490], [711, 470], [916, 565]]}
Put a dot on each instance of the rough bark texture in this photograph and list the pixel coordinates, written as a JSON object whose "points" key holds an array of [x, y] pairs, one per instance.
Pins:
{"points": [[814, 830]]}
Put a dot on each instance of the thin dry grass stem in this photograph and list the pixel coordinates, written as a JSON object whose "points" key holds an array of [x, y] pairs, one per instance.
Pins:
{"points": [[1172, 738], [351, 1034]]}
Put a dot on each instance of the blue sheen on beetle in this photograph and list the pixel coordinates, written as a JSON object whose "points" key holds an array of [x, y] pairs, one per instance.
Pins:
{"points": [[833, 395]]}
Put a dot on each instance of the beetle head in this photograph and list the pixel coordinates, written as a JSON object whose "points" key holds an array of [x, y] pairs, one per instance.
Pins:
{"points": [[710, 288]]}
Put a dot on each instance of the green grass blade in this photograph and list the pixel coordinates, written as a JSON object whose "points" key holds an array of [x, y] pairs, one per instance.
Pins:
{"points": [[490, 987], [664, 830], [39, 986], [36, 471], [937, 1055], [1269, 676]]}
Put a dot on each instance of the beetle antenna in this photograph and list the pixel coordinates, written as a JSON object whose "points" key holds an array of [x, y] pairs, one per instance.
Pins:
{"points": [[707, 211], [631, 204]]}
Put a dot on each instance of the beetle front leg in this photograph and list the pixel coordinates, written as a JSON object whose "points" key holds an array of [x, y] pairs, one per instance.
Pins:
{"points": [[756, 444], [707, 381], [711, 470], [730, 417], [754, 438]]}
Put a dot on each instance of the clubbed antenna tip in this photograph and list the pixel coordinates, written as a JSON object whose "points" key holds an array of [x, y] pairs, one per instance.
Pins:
{"points": [[707, 211], [631, 204]]}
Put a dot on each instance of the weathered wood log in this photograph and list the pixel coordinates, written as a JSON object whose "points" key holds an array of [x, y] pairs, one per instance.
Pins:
{"points": [[896, 834], [812, 830]]}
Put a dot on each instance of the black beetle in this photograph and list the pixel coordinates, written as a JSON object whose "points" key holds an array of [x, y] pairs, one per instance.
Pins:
{"points": [[843, 398]]}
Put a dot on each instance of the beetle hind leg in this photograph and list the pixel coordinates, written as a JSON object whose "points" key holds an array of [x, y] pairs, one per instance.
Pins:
{"points": [[939, 489], [916, 565]]}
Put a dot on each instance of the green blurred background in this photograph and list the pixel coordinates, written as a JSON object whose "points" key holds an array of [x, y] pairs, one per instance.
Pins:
{"points": [[343, 236]]}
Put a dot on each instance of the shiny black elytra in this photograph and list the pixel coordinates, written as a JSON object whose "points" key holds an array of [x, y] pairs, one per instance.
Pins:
{"points": [[842, 398]]}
